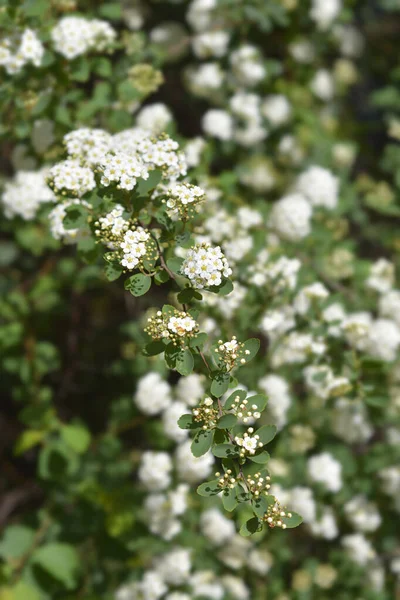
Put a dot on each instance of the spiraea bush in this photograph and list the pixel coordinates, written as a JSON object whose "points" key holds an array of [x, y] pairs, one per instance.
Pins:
{"points": [[200, 320]]}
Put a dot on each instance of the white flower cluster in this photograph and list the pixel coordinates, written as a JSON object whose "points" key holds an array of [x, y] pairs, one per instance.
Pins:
{"points": [[155, 470], [122, 169], [324, 12], [74, 36], [308, 296], [290, 217], [247, 66], [154, 118], [319, 187], [279, 400], [280, 275], [362, 514], [183, 197], [162, 511], [297, 347], [24, 194], [114, 222], [324, 468], [134, 247], [70, 178], [153, 394], [321, 381], [88, 145], [205, 266], [16, 53]]}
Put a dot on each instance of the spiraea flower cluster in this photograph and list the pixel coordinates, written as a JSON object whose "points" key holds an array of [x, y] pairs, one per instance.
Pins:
{"points": [[206, 414], [176, 326], [275, 515], [183, 199], [74, 36], [21, 50], [248, 443], [25, 193], [69, 178], [244, 409], [205, 266], [231, 354]]}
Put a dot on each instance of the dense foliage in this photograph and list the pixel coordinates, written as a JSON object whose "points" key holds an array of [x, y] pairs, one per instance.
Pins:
{"points": [[200, 326]]}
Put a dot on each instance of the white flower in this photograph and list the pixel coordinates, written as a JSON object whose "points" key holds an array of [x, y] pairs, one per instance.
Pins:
{"points": [[69, 177], [24, 194], [236, 587], [154, 117], [319, 187], [181, 325], [324, 12], [175, 566], [170, 422], [325, 469], [153, 394], [191, 468], [162, 511], [247, 66], [279, 400], [308, 296], [322, 85], [28, 49], [381, 276], [383, 339], [349, 421], [154, 470], [211, 43], [205, 266], [216, 528], [389, 306], [363, 515], [190, 389], [358, 548], [290, 217], [74, 36], [326, 526], [218, 123], [277, 109]]}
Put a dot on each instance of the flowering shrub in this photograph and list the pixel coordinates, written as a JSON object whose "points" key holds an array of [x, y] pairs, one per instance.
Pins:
{"points": [[200, 323]]}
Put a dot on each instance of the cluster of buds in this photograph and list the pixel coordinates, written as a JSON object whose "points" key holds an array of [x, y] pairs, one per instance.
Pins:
{"points": [[183, 198], [133, 244], [231, 353], [205, 413], [176, 327], [249, 443], [145, 78], [258, 485], [274, 515], [243, 411], [226, 481]]}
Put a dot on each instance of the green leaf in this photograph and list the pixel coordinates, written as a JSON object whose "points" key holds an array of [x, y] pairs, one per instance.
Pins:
{"points": [[220, 383], [225, 451], [250, 527], [187, 295], [231, 400], [259, 506], [16, 541], [28, 440], [154, 348], [229, 499], [202, 442], [186, 422], [144, 186], [174, 264], [138, 284], [266, 433], [294, 521], [80, 70], [161, 277], [260, 458], [35, 8], [209, 488], [103, 67], [184, 362], [111, 10], [226, 422], [251, 347], [259, 400], [226, 288], [75, 217], [59, 560], [198, 341], [113, 271], [77, 437], [24, 591]]}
